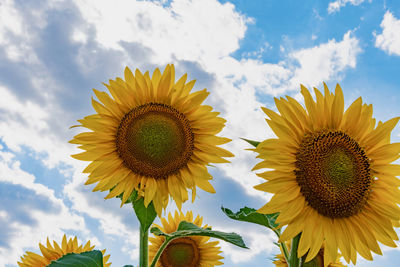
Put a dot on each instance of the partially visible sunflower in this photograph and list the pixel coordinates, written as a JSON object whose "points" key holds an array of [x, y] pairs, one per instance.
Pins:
{"points": [[332, 176], [318, 261], [192, 251], [153, 136], [51, 253]]}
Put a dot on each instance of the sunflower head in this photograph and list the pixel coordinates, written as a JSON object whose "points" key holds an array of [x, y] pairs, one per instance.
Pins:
{"points": [[192, 251], [152, 135], [331, 176], [51, 253]]}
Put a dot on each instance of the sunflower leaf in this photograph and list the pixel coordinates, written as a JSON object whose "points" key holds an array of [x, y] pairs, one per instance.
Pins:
{"points": [[92, 258], [190, 229], [251, 142], [146, 215], [247, 214]]}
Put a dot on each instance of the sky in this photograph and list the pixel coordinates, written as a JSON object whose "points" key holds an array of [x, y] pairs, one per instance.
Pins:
{"points": [[54, 52]]}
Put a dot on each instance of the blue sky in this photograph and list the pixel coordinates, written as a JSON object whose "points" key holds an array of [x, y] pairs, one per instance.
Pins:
{"points": [[52, 53]]}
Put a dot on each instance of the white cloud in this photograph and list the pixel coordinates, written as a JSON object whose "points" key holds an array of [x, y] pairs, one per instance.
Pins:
{"points": [[326, 61], [52, 224], [107, 212], [257, 241], [15, 34], [186, 30], [25, 123], [28, 119], [336, 5], [389, 39]]}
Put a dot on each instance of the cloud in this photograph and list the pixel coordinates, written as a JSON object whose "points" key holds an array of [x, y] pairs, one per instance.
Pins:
{"points": [[261, 241], [326, 61], [185, 30], [389, 39], [29, 212], [336, 5]]}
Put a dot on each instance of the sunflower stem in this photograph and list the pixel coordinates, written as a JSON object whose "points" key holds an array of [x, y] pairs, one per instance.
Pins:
{"points": [[160, 251], [144, 247], [293, 260], [285, 251]]}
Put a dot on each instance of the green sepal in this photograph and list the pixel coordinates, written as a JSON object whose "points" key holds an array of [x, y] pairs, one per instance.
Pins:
{"points": [[92, 258], [146, 215], [130, 199], [129, 266], [190, 229], [247, 214], [251, 142]]}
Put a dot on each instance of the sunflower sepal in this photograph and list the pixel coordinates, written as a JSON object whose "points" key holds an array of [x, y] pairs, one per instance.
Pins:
{"points": [[132, 198], [92, 258], [146, 215], [251, 142]]}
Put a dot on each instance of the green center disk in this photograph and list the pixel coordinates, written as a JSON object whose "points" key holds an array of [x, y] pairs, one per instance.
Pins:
{"points": [[156, 139], [180, 255], [338, 168]]}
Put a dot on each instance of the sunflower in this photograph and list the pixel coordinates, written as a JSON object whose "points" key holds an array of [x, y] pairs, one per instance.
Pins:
{"points": [[153, 136], [331, 176], [51, 253], [318, 261], [192, 251]]}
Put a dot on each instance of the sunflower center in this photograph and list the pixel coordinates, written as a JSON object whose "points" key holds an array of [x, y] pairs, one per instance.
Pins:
{"points": [[333, 173], [155, 140], [181, 252]]}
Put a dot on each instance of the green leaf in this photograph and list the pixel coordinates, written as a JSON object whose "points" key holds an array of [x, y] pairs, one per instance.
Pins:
{"points": [[145, 215], [92, 258], [190, 229], [129, 266], [251, 142], [247, 214]]}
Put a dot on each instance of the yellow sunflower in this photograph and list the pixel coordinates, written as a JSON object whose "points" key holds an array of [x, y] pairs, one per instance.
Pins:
{"points": [[318, 261], [192, 251], [51, 253], [331, 176], [153, 136]]}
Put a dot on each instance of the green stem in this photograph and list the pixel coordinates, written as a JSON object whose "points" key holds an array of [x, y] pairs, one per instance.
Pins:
{"points": [[160, 251], [293, 260], [144, 250], [285, 251]]}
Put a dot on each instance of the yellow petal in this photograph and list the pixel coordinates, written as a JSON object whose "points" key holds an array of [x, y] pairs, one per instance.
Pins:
{"points": [[337, 107]]}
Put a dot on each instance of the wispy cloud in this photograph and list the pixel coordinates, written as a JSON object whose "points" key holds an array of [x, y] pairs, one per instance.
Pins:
{"points": [[338, 4]]}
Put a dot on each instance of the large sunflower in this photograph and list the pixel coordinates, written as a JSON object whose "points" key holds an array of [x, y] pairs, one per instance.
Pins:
{"points": [[332, 176], [192, 251], [51, 253], [153, 136]]}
